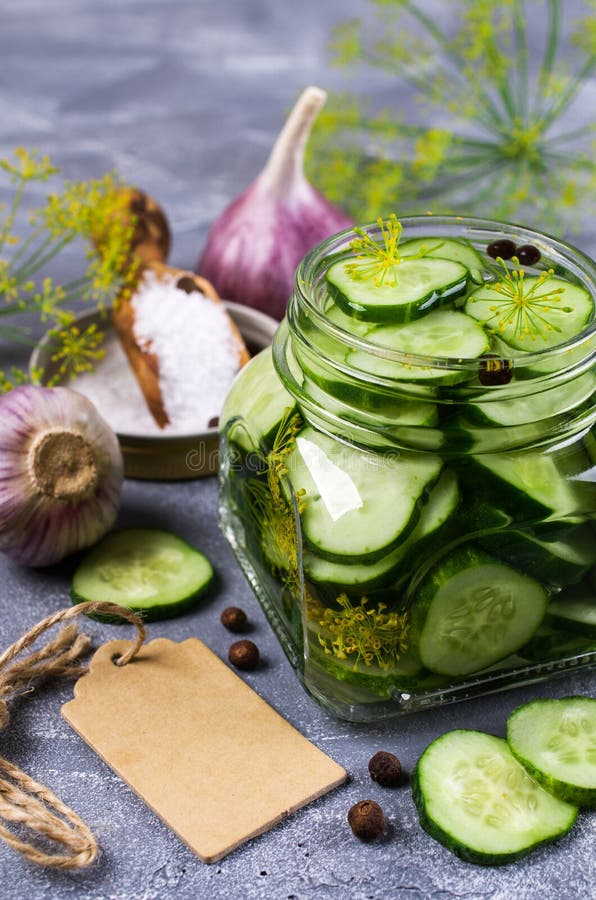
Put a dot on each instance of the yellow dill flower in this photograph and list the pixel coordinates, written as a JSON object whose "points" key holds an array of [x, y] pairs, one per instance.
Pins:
{"points": [[377, 260], [78, 350], [28, 166], [525, 307], [372, 636]]}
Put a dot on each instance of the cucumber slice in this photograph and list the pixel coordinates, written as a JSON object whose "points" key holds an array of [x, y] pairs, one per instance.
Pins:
{"points": [[473, 611], [475, 798], [357, 504], [555, 401], [258, 400], [555, 321], [446, 248], [441, 505], [559, 563], [346, 321], [152, 572], [408, 292], [529, 484], [443, 333], [555, 740], [575, 610]]}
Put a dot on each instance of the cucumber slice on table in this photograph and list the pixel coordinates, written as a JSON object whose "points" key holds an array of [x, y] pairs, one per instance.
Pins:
{"points": [[446, 248], [472, 610], [258, 400], [552, 321], [474, 797], [442, 333], [357, 505], [555, 740], [149, 571], [409, 291]]}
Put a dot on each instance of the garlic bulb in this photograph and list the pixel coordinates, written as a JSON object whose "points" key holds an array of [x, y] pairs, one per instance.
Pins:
{"points": [[60, 474], [253, 249]]}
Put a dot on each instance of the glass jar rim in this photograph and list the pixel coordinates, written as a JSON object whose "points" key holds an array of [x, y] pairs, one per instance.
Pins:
{"points": [[556, 251]]}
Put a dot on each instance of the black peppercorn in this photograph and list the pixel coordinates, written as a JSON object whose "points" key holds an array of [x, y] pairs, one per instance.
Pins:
{"points": [[528, 254], [366, 820], [244, 655], [493, 370], [234, 619], [385, 769], [503, 248]]}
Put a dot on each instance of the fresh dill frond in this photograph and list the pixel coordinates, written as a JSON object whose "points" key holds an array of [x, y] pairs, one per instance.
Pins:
{"points": [[271, 510], [93, 211], [493, 134]]}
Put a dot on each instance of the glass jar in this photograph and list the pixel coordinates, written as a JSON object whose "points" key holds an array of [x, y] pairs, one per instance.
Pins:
{"points": [[417, 529]]}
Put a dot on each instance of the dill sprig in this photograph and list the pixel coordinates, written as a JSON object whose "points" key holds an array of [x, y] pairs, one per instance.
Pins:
{"points": [[360, 633], [525, 308], [271, 512], [95, 212], [498, 144]]}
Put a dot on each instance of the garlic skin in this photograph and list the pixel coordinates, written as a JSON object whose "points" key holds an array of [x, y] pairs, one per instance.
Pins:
{"points": [[61, 474], [253, 248]]}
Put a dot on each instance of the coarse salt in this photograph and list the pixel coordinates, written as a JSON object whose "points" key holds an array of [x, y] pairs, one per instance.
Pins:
{"points": [[198, 356]]}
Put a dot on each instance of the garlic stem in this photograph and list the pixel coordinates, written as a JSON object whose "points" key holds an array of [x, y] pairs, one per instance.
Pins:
{"points": [[285, 163], [62, 465]]}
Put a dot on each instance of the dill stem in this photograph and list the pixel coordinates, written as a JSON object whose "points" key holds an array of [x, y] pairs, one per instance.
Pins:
{"points": [[16, 202], [469, 159], [521, 43], [16, 335], [463, 178], [550, 53], [584, 131], [474, 85], [579, 162], [42, 255], [23, 246], [567, 94]]}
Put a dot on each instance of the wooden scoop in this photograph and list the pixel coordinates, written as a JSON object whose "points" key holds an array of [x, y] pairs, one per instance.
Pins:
{"points": [[150, 246], [144, 363]]}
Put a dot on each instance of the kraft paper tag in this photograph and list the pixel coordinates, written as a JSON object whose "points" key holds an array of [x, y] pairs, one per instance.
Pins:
{"points": [[196, 743]]}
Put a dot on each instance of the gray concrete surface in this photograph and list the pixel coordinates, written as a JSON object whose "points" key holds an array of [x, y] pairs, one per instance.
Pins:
{"points": [[184, 98]]}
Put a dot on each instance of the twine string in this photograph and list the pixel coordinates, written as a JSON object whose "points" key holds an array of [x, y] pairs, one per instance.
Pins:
{"points": [[23, 801]]}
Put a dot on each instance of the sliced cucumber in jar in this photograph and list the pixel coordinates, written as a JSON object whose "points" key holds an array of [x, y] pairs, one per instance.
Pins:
{"points": [[256, 402], [410, 290], [529, 484], [152, 572], [472, 611], [575, 610], [446, 248], [438, 510], [536, 407], [357, 505], [474, 797], [555, 741], [443, 333], [560, 563]]}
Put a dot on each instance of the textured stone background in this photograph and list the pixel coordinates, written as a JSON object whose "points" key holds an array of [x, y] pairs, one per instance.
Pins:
{"points": [[183, 97]]}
